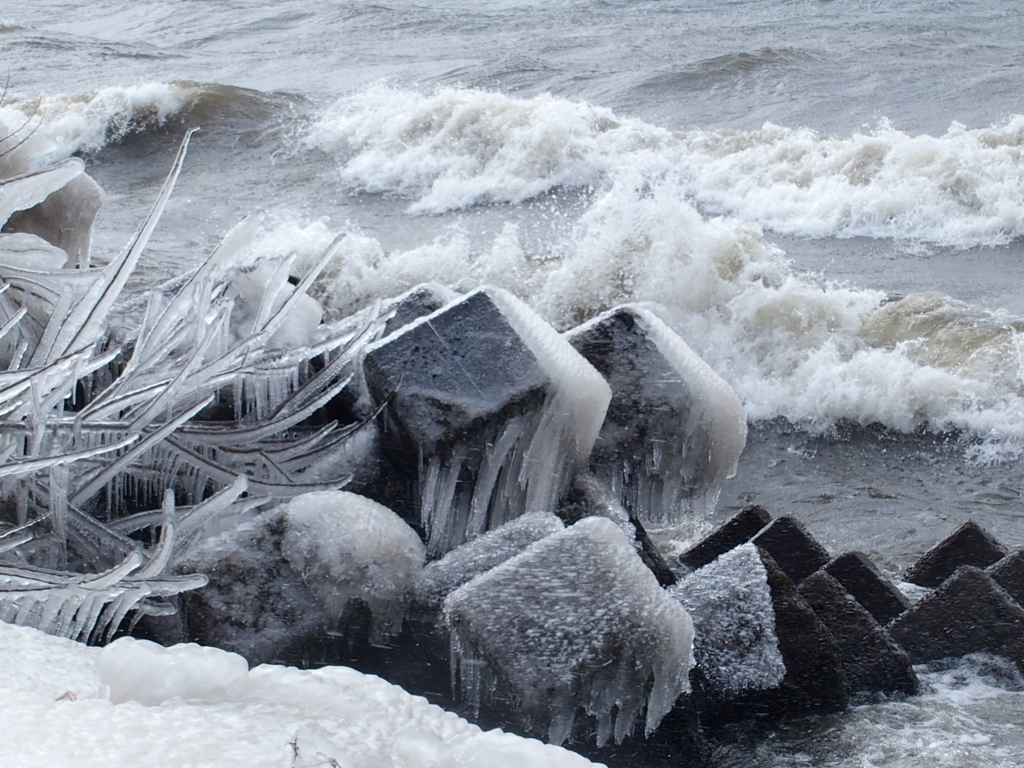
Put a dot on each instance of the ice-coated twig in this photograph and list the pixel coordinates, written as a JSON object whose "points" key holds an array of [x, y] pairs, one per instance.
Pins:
{"points": [[83, 325], [98, 416]]}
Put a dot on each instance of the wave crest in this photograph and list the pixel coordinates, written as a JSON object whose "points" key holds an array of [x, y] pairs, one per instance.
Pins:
{"points": [[462, 147]]}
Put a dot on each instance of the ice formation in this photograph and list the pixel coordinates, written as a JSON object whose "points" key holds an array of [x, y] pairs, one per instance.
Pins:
{"points": [[104, 402], [575, 622], [674, 429], [475, 557], [142, 671], [347, 547], [735, 646], [248, 287], [255, 604], [55, 712], [495, 407], [293, 573]]}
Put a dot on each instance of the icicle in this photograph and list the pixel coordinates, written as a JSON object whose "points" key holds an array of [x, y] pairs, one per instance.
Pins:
{"points": [[59, 510]]}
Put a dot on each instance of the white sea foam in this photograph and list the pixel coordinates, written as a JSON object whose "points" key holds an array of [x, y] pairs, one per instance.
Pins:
{"points": [[57, 126], [970, 713], [791, 345], [460, 147], [963, 188]]}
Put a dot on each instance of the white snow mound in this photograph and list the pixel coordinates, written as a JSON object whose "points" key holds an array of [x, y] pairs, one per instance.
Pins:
{"points": [[53, 714]]}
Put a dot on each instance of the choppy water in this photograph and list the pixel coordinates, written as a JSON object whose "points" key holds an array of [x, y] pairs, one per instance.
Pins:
{"points": [[827, 199]]}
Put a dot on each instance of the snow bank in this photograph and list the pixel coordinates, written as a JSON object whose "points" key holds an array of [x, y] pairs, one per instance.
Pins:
{"points": [[54, 713]]}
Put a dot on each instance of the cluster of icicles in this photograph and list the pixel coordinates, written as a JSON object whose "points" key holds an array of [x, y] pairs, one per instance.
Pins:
{"points": [[105, 397]]}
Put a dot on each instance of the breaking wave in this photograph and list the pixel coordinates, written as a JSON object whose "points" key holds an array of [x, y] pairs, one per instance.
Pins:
{"points": [[59, 126], [458, 148], [792, 345], [963, 188], [461, 147]]}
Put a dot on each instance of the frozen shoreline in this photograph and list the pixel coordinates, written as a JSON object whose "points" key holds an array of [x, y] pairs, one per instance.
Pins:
{"points": [[56, 711]]}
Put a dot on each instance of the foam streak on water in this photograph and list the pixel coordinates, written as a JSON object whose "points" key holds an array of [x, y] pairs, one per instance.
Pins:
{"points": [[952, 724]]}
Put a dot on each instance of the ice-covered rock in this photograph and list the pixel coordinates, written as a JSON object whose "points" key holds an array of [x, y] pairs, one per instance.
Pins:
{"points": [[814, 681], [142, 671], [592, 497], [735, 646], [295, 572], [260, 290], [256, 604], [576, 622], [346, 548], [674, 429], [415, 303], [478, 556], [494, 409]]}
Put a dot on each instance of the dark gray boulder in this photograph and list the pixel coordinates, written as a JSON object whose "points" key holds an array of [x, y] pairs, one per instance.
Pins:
{"points": [[872, 661], [674, 429], [256, 604], [871, 589], [969, 544], [792, 547], [1009, 574], [491, 410], [739, 529], [968, 613]]}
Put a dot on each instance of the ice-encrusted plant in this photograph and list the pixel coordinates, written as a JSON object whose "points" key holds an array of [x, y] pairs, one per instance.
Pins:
{"points": [[106, 402]]}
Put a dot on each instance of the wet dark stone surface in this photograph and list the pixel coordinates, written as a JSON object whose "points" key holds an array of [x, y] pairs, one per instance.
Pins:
{"points": [[448, 378], [793, 548], [969, 544], [1009, 574], [872, 661], [739, 529], [872, 590], [968, 613]]}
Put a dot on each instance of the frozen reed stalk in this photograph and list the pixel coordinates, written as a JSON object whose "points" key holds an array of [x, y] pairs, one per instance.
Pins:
{"points": [[94, 411]]}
